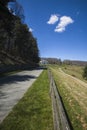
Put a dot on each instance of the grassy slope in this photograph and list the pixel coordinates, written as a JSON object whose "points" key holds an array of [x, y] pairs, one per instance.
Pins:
{"points": [[34, 110], [74, 96], [75, 71]]}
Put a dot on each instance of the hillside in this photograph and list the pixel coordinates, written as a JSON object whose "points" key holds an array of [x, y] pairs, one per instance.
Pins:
{"points": [[7, 59], [18, 47], [73, 92]]}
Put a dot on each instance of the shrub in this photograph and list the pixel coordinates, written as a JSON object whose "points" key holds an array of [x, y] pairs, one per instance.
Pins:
{"points": [[85, 72]]}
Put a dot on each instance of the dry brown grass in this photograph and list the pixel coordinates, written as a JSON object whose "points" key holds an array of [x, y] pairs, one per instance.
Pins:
{"points": [[74, 94]]}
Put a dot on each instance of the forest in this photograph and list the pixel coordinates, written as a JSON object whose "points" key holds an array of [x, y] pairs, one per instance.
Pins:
{"points": [[16, 41]]}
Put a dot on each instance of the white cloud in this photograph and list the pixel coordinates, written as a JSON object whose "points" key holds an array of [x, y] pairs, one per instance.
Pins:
{"points": [[53, 19], [30, 30], [64, 21]]}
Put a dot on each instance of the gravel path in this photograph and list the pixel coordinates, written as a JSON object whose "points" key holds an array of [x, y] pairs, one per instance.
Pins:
{"points": [[12, 89]]}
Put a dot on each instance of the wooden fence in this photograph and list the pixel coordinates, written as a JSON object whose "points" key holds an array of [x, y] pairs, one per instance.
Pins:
{"points": [[61, 121]]}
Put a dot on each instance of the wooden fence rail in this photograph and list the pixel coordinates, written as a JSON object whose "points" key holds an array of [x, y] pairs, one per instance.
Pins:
{"points": [[59, 115]]}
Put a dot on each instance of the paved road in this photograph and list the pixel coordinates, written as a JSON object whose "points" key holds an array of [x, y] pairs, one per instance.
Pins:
{"points": [[12, 89]]}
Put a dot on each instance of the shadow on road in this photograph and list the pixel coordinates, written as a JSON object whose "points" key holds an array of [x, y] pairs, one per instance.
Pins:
{"points": [[15, 78]]}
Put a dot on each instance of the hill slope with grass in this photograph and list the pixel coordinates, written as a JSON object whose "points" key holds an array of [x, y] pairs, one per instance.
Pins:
{"points": [[73, 92]]}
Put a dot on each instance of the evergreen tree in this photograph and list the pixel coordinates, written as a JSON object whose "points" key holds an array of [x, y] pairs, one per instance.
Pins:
{"points": [[15, 38]]}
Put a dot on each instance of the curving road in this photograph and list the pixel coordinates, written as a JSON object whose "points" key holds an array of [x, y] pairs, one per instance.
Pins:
{"points": [[12, 89]]}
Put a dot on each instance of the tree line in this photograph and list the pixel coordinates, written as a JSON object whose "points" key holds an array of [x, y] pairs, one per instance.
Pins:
{"points": [[52, 60], [15, 37]]}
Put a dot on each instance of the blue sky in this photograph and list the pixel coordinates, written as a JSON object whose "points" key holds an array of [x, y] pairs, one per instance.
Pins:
{"points": [[60, 27]]}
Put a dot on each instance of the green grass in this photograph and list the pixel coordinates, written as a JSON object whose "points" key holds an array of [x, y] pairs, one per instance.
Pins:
{"points": [[34, 110], [74, 97]]}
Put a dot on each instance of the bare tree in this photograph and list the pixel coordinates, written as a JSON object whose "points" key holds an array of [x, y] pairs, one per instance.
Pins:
{"points": [[16, 9]]}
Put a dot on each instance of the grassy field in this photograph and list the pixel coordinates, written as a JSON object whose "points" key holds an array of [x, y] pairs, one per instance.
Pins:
{"points": [[75, 71], [74, 94], [34, 110]]}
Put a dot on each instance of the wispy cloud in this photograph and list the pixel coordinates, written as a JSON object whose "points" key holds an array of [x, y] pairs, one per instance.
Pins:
{"points": [[53, 19], [31, 30], [64, 21], [77, 13]]}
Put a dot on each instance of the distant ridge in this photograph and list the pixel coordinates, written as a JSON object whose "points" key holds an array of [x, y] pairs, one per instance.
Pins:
{"points": [[75, 62], [69, 62]]}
